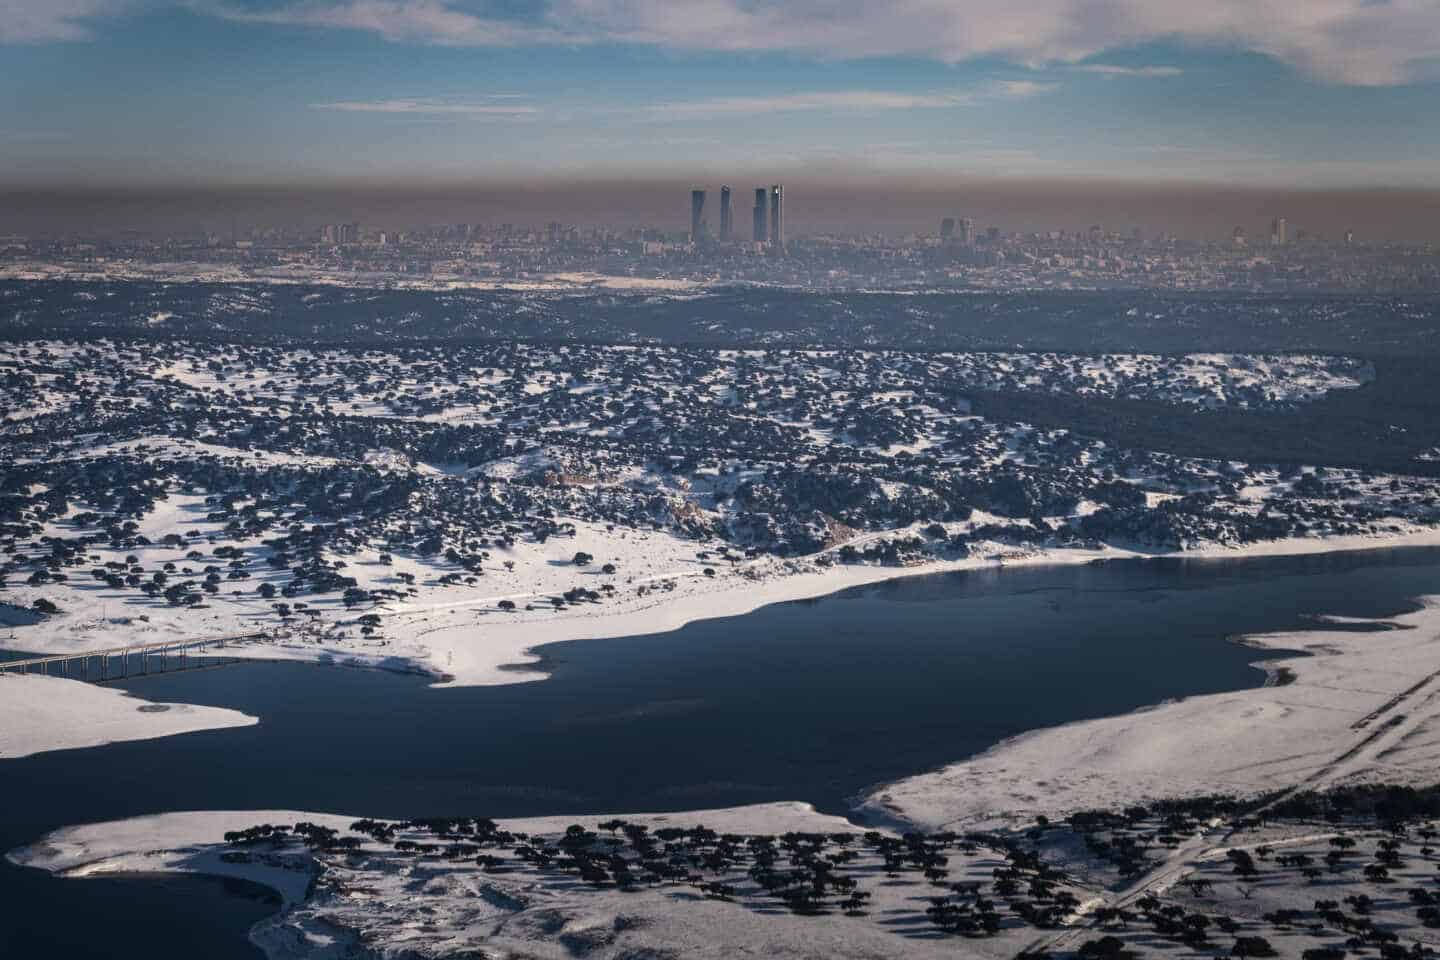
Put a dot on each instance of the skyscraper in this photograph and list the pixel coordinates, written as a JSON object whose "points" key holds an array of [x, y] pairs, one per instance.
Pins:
{"points": [[777, 218], [726, 217], [758, 216], [697, 215], [1279, 231], [947, 228]]}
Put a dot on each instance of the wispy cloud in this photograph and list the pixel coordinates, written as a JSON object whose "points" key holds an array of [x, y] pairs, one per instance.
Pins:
{"points": [[1368, 42], [40, 21], [1114, 70], [1021, 89], [1371, 42], [442, 22], [853, 100], [432, 107], [826, 100]]}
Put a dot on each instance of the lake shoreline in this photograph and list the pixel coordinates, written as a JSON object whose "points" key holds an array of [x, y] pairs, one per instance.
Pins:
{"points": [[925, 800], [507, 654], [450, 655]]}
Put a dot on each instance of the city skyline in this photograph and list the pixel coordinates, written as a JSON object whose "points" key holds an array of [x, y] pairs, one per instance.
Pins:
{"points": [[146, 92], [1197, 213]]}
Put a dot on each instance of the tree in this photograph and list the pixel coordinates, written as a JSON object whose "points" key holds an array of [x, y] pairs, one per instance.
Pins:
{"points": [[1252, 947], [1199, 886], [1105, 948], [581, 558], [45, 607], [1244, 864]]}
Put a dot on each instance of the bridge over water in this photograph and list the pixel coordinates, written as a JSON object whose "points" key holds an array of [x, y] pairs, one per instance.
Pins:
{"points": [[118, 662]]}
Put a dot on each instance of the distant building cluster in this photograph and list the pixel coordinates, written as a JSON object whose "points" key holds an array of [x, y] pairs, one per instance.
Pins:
{"points": [[958, 230], [767, 224], [961, 254], [340, 233]]}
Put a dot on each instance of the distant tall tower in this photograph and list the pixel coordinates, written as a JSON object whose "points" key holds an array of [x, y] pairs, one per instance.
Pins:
{"points": [[758, 215], [777, 218], [697, 215], [1279, 231], [727, 224], [947, 228], [965, 232]]}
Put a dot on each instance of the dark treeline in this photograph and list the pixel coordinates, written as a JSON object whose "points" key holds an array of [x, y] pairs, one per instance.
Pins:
{"points": [[1344, 882], [1384, 426], [1067, 321]]}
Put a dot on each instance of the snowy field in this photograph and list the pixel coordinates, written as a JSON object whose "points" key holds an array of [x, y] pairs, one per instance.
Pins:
{"points": [[1357, 706], [438, 280], [51, 713], [1352, 872], [443, 511]]}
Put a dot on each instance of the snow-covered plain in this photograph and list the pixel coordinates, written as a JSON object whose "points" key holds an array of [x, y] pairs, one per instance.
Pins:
{"points": [[39, 714], [444, 511], [221, 273], [437, 907], [445, 516], [1358, 705], [1181, 881]]}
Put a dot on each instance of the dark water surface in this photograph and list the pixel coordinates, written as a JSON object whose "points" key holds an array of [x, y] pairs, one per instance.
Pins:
{"points": [[812, 700]]}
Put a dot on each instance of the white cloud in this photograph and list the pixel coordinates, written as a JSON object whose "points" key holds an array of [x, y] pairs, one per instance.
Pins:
{"points": [[1352, 41], [1373, 42], [430, 107], [443, 22], [1349, 41], [37, 21], [1020, 89], [854, 100], [827, 100], [1113, 70]]}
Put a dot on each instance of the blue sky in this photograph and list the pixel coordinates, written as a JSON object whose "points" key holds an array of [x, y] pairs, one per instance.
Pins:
{"points": [[1304, 93]]}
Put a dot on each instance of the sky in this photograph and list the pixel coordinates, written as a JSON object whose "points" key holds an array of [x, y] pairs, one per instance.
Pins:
{"points": [[1277, 94]]}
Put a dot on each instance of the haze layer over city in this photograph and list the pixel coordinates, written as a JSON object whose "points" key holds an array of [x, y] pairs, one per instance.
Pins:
{"points": [[640, 481]]}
